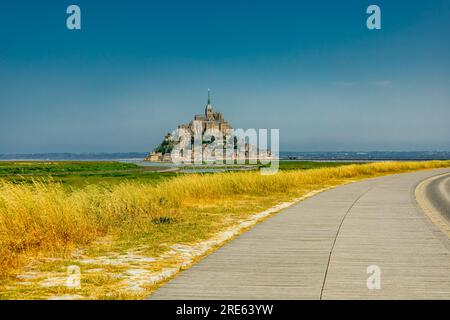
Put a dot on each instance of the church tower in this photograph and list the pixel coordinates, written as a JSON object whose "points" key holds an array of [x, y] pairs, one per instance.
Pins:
{"points": [[208, 108]]}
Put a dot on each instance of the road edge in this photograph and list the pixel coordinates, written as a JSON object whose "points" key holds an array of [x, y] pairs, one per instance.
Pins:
{"points": [[434, 216]]}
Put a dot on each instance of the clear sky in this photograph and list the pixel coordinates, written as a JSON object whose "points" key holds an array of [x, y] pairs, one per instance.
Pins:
{"points": [[139, 68]]}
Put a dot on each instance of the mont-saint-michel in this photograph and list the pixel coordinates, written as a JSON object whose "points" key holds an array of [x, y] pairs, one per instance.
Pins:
{"points": [[209, 137]]}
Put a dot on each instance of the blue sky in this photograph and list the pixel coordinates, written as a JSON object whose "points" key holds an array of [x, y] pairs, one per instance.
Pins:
{"points": [[137, 69]]}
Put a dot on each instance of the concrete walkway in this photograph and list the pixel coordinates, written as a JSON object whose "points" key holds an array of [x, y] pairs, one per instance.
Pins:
{"points": [[321, 248]]}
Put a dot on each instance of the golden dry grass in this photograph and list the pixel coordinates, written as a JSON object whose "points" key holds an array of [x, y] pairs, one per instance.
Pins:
{"points": [[44, 218]]}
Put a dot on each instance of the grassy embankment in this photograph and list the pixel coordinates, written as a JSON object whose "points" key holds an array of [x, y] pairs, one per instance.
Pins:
{"points": [[42, 219], [74, 175]]}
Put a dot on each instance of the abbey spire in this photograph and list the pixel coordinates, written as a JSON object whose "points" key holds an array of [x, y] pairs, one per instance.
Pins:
{"points": [[208, 108]]}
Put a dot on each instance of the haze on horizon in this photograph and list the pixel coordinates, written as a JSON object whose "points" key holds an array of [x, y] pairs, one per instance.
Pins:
{"points": [[138, 69]]}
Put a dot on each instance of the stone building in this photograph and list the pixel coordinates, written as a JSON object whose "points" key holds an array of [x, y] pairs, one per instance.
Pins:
{"points": [[209, 120]]}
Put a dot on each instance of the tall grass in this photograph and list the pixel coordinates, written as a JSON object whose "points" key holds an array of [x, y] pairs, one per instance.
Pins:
{"points": [[44, 217]]}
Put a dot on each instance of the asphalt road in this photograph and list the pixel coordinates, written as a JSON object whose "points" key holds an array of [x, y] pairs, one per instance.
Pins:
{"points": [[437, 192], [328, 246]]}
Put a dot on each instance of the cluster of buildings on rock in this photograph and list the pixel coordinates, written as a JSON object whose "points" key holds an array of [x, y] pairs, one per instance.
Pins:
{"points": [[158, 157], [210, 120]]}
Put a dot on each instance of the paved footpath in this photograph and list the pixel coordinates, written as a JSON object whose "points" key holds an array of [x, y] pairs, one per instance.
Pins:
{"points": [[320, 248]]}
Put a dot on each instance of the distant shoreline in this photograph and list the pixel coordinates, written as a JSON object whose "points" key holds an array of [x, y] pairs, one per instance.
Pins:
{"points": [[284, 155]]}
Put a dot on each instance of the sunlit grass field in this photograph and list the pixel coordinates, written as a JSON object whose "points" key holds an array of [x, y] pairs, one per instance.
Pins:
{"points": [[40, 167], [42, 218], [74, 175]]}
